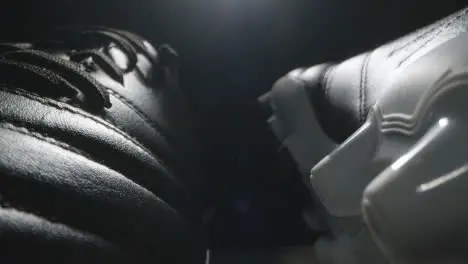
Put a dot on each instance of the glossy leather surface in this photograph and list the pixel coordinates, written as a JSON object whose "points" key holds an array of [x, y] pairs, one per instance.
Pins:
{"points": [[150, 107], [357, 84], [351, 87], [415, 206], [45, 178], [340, 97], [82, 186]]}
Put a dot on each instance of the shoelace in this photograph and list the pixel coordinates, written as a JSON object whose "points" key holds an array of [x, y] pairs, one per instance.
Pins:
{"points": [[86, 43], [52, 77], [24, 65], [21, 66]]}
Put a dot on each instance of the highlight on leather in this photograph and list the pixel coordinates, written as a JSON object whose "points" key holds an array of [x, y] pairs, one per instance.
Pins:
{"points": [[373, 119], [95, 167]]}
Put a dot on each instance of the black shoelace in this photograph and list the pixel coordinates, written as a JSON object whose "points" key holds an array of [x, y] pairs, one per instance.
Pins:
{"points": [[23, 65], [53, 77], [87, 43]]}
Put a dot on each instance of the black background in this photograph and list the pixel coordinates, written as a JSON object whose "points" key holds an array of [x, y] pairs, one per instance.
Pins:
{"points": [[231, 52]]}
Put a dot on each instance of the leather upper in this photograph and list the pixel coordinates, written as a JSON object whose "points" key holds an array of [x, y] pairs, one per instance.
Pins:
{"points": [[54, 183], [82, 180], [415, 203], [345, 92], [331, 101], [319, 112], [148, 105]]}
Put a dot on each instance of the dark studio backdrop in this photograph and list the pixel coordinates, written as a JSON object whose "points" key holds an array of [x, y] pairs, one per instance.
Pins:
{"points": [[231, 52]]}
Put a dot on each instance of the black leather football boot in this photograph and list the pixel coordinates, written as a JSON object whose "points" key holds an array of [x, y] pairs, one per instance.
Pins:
{"points": [[95, 141]]}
